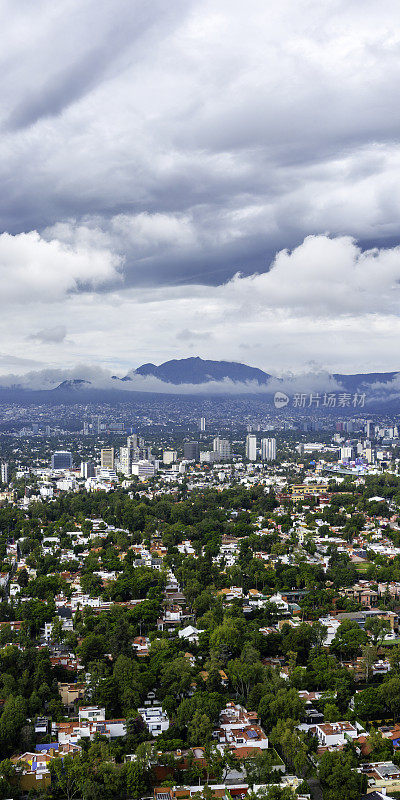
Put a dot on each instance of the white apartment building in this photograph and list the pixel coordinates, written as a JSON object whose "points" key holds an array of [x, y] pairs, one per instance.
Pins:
{"points": [[251, 447], [169, 456], [222, 447], [268, 449]]}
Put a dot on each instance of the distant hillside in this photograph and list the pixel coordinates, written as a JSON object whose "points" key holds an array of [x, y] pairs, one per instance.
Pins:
{"points": [[197, 370]]}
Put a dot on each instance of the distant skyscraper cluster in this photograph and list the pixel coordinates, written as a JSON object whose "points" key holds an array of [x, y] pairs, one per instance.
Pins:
{"points": [[268, 448]]}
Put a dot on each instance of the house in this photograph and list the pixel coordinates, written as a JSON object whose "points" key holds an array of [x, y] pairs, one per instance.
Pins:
{"points": [[190, 634], [248, 736], [332, 734], [42, 725], [33, 769], [236, 716], [92, 713], [382, 775], [239, 728], [155, 719], [71, 692], [71, 732], [141, 644]]}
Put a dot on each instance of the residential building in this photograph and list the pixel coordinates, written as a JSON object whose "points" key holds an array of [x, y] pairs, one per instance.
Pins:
{"points": [[169, 456], [332, 734], [251, 447], [268, 449], [88, 469], [4, 472], [222, 447], [155, 719], [107, 458]]}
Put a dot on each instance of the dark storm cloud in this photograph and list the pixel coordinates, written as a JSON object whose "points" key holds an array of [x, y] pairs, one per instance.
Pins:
{"points": [[195, 139]]}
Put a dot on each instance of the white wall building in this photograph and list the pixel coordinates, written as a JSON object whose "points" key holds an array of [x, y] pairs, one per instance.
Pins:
{"points": [[268, 449], [155, 719], [251, 447]]}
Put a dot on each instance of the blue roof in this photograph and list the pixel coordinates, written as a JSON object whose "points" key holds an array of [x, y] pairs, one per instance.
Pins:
{"points": [[42, 747]]}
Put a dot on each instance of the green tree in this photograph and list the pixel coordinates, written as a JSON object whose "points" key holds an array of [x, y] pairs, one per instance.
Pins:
{"points": [[137, 779], [338, 776], [200, 729]]}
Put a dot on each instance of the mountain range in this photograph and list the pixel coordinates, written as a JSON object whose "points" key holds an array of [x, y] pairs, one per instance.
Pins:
{"points": [[191, 376]]}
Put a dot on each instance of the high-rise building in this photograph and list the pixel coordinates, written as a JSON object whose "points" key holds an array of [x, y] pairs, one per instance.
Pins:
{"points": [[97, 423], [370, 429], [169, 456], [61, 459], [4, 472], [85, 428], [132, 440], [125, 460], [369, 455], [222, 447], [191, 451], [268, 449], [251, 447], [346, 453], [202, 424], [107, 458], [88, 469]]}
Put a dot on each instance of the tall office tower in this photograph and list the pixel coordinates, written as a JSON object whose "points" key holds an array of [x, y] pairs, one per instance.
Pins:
{"points": [[169, 456], [125, 460], [96, 423], [132, 440], [222, 447], [88, 469], [191, 451], [268, 449], [251, 447], [48, 431], [85, 427], [349, 426], [369, 455], [107, 458], [370, 429], [61, 459], [202, 424], [4, 472]]}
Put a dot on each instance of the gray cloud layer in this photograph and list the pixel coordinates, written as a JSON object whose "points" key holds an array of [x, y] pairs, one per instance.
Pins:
{"points": [[149, 152]]}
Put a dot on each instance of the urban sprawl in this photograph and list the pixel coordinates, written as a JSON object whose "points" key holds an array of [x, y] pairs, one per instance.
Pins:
{"points": [[199, 604]]}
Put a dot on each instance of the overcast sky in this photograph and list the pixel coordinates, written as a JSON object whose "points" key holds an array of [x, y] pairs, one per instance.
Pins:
{"points": [[200, 177]]}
